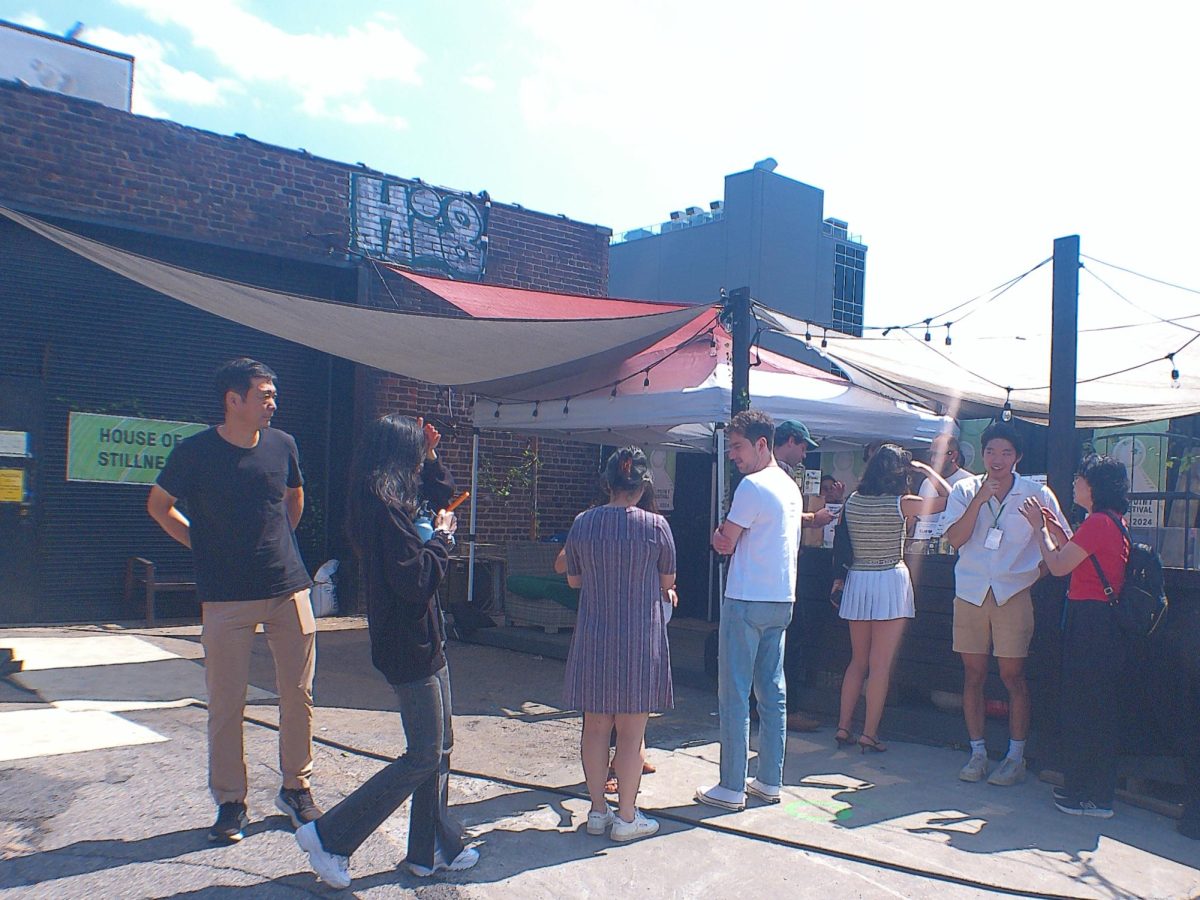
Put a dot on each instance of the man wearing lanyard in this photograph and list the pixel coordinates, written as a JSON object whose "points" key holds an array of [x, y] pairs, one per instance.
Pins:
{"points": [[998, 562]]}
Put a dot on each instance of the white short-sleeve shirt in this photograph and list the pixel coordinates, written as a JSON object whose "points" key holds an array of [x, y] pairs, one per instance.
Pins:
{"points": [[933, 524], [769, 506], [1012, 567]]}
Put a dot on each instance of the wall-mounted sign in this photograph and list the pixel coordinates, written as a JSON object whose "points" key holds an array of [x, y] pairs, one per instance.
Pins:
{"points": [[120, 449], [419, 225], [12, 485], [14, 443]]}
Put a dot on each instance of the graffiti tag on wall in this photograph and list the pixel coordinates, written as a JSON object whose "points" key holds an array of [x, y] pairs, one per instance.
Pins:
{"points": [[418, 225]]}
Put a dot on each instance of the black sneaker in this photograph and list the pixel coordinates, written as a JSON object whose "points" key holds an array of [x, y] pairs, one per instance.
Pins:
{"points": [[297, 803], [1083, 808], [231, 823]]}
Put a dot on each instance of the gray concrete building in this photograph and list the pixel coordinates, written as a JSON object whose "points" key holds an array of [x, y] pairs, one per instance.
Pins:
{"points": [[768, 233]]}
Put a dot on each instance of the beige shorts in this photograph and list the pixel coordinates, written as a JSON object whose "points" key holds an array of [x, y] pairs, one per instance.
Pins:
{"points": [[1005, 630]]}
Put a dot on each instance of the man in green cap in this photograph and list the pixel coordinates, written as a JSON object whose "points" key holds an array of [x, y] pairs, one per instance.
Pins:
{"points": [[792, 443]]}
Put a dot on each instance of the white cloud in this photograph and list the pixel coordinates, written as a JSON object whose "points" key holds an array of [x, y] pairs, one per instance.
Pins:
{"points": [[331, 74], [156, 82], [479, 80], [363, 112], [30, 19]]}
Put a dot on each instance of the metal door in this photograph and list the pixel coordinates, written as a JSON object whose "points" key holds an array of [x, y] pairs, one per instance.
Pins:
{"points": [[20, 443]]}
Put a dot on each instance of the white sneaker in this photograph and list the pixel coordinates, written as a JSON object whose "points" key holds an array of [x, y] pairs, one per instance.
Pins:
{"points": [[768, 793], [975, 768], [465, 860], [598, 822], [629, 831], [722, 798], [1010, 771], [332, 869]]}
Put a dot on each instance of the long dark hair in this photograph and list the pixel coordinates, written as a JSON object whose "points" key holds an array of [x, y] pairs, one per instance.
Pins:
{"points": [[887, 473], [384, 470], [1109, 483]]}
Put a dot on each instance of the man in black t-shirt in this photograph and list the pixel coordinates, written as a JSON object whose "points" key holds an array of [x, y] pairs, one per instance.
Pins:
{"points": [[244, 493]]}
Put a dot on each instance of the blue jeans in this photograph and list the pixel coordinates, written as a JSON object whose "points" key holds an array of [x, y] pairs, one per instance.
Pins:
{"points": [[751, 654], [423, 773]]}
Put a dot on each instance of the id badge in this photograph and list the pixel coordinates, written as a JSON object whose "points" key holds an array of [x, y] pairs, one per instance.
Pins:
{"points": [[994, 536]]}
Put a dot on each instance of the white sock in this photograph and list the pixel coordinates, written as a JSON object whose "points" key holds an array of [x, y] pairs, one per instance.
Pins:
{"points": [[1016, 750], [979, 748]]}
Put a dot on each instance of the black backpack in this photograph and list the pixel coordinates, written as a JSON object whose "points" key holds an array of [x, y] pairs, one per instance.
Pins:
{"points": [[1142, 603]]}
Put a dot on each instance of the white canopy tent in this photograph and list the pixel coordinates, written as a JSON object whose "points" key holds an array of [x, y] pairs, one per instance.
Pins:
{"points": [[677, 394], [690, 391]]}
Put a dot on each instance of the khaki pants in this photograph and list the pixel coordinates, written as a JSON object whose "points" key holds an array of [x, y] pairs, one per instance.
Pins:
{"points": [[227, 636]]}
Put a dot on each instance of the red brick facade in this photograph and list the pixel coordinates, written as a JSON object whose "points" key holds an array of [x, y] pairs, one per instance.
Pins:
{"points": [[72, 158]]}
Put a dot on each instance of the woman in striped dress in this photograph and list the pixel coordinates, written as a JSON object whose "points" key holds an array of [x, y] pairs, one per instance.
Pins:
{"points": [[877, 593], [619, 668]]}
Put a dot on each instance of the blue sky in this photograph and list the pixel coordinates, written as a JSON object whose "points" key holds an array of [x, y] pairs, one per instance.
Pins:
{"points": [[958, 138]]}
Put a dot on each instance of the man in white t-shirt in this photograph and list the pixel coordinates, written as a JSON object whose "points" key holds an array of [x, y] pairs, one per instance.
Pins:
{"points": [[999, 560], [946, 459], [762, 532]]}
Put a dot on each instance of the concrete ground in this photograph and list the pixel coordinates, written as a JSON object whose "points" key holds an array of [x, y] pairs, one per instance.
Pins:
{"points": [[102, 794]]}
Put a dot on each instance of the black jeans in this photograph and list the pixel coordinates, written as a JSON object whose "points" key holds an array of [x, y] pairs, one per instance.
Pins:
{"points": [[423, 773], [1093, 666]]}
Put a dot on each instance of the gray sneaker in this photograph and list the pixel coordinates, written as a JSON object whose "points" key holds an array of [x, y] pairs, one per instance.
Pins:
{"points": [[975, 768], [1009, 772]]}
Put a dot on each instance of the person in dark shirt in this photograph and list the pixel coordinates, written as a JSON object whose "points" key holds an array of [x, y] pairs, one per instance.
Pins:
{"points": [[403, 561], [244, 492]]}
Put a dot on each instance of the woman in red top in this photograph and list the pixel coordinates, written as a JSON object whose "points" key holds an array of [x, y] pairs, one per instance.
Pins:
{"points": [[1093, 645]]}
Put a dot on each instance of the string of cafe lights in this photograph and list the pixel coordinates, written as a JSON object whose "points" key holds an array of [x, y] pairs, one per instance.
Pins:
{"points": [[708, 327], [932, 322]]}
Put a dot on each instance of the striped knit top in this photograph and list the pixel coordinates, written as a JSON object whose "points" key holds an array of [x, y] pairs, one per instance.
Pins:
{"points": [[876, 531]]}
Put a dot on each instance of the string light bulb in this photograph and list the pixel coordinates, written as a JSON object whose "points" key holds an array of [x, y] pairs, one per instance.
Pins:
{"points": [[807, 333], [567, 406], [1175, 382], [712, 343], [825, 339], [497, 412], [612, 394], [887, 331], [536, 404], [646, 381], [928, 336], [948, 341], [1006, 413]]}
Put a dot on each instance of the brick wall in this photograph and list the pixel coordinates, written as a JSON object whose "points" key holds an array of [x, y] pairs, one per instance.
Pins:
{"points": [[70, 157]]}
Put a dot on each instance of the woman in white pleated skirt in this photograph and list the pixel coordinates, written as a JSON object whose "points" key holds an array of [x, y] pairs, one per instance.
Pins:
{"points": [[876, 592]]}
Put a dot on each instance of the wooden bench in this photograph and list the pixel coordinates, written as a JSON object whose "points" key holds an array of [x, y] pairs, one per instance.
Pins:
{"points": [[142, 570]]}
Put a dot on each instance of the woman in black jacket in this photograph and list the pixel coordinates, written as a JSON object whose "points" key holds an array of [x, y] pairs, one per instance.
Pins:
{"points": [[395, 467]]}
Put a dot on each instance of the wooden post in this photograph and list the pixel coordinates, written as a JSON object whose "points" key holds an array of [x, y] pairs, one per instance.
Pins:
{"points": [[1062, 443]]}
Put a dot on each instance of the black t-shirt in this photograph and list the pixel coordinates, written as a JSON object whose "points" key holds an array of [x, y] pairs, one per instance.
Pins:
{"points": [[242, 542]]}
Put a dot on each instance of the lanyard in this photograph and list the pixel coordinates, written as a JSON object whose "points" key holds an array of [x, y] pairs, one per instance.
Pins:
{"points": [[997, 514]]}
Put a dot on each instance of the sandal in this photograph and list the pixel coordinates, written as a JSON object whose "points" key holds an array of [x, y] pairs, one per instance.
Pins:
{"points": [[611, 785], [648, 768], [843, 737], [869, 743]]}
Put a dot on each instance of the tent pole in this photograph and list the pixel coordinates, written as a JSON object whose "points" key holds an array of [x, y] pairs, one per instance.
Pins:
{"points": [[712, 524], [474, 530], [1062, 450], [718, 508]]}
